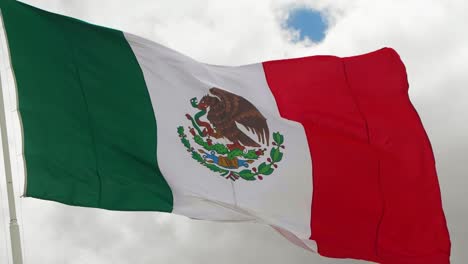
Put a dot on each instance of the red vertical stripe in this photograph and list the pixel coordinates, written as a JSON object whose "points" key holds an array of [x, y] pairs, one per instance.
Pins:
{"points": [[376, 195]]}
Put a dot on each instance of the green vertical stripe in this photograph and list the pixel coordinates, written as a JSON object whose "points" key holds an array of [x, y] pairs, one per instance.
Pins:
{"points": [[89, 127]]}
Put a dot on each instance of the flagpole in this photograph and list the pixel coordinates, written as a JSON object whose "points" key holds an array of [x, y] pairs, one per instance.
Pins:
{"points": [[14, 227]]}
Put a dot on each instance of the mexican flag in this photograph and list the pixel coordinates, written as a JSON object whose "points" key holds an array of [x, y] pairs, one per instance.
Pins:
{"points": [[328, 151]]}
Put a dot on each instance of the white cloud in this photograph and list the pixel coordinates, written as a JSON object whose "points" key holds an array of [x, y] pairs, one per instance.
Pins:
{"points": [[430, 36]]}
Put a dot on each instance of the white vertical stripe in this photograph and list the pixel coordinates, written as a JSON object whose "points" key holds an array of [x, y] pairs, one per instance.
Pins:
{"points": [[282, 199]]}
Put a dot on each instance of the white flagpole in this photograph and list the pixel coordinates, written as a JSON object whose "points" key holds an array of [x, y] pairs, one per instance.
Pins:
{"points": [[17, 254], [14, 227]]}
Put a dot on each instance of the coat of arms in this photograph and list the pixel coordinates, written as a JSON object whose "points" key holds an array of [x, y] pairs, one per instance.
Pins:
{"points": [[218, 142]]}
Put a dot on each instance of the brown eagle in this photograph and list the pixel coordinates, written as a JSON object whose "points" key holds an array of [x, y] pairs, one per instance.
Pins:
{"points": [[225, 109]]}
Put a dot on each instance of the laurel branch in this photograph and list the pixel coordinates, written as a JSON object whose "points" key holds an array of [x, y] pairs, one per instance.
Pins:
{"points": [[264, 169]]}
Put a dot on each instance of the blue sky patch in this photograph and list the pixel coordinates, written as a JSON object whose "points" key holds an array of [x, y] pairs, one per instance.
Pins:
{"points": [[308, 22]]}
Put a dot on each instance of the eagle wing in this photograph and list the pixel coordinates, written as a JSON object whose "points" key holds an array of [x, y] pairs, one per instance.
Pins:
{"points": [[244, 113]]}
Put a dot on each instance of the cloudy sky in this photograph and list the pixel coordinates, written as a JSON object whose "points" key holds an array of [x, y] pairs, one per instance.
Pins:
{"points": [[430, 36]]}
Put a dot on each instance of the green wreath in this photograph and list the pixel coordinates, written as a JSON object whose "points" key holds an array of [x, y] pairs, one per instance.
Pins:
{"points": [[263, 169]]}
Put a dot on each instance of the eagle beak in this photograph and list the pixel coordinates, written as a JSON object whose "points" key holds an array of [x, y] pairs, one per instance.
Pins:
{"points": [[202, 106]]}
